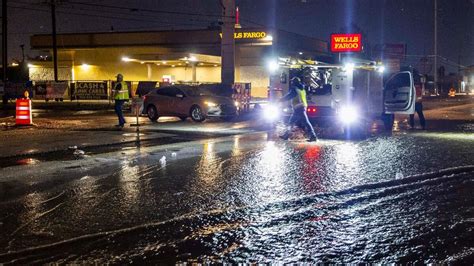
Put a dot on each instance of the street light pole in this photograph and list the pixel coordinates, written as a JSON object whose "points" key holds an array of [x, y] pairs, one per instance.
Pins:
{"points": [[228, 42], [435, 46], [4, 41], [55, 48]]}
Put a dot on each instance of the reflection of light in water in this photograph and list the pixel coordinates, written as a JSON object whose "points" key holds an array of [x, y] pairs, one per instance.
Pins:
{"points": [[347, 161], [129, 177], [27, 161], [346, 155], [311, 177], [449, 136], [208, 147], [33, 210], [209, 168], [396, 126], [236, 151], [270, 169], [86, 197], [373, 127]]}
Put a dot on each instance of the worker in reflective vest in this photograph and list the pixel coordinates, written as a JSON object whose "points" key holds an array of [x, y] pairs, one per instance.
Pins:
{"points": [[297, 95], [120, 96], [419, 89]]}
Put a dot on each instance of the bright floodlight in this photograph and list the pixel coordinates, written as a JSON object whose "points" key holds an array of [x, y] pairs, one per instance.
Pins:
{"points": [[349, 67], [348, 114], [126, 59], [268, 38], [381, 69], [271, 112], [192, 59], [85, 66], [273, 65]]}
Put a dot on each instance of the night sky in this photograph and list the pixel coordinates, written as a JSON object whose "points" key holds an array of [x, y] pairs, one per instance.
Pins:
{"points": [[382, 21]]}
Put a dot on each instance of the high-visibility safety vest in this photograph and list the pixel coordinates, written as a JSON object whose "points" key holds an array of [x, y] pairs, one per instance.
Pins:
{"points": [[300, 99], [419, 92], [121, 94]]}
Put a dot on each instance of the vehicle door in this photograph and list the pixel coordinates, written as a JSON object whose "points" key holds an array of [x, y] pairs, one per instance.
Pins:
{"points": [[399, 94], [163, 100], [176, 101]]}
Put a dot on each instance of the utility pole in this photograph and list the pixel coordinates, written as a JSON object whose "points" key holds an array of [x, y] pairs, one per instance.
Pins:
{"points": [[228, 42], [4, 41], [435, 46], [22, 46], [55, 48]]}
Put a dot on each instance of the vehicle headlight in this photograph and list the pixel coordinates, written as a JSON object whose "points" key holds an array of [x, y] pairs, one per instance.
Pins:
{"points": [[211, 104], [271, 112], [348, 114], [236, 103]]}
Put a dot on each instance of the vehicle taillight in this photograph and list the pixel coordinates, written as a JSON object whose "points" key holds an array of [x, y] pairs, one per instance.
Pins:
{"points": [[311, 110], [144, 98]]}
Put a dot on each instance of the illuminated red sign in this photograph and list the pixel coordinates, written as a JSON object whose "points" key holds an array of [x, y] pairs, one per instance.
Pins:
{"points": [[346, 43]]}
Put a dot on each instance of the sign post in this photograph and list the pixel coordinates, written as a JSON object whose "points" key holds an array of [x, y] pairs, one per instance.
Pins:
{"points": [[137, 108]]}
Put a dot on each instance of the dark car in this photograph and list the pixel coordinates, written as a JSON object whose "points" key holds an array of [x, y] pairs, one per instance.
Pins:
{"points": [[187, 101]]}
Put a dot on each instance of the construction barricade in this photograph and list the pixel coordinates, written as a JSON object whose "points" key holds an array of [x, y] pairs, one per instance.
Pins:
{"points": [[23, 115]]}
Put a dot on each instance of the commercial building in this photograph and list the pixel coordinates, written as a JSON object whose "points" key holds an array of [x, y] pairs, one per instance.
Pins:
{"points": [[176, 56]]}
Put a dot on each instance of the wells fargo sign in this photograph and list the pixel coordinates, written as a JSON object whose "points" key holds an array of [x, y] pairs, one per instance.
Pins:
{"points": [[346, 43], [249, 35]]}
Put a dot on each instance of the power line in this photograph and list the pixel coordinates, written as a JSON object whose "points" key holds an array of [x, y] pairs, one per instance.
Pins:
{"points": [[149, 10], [98, 16], [141, 15]]}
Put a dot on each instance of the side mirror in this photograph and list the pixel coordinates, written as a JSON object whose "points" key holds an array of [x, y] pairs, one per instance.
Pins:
{"points": [[180, 96]]}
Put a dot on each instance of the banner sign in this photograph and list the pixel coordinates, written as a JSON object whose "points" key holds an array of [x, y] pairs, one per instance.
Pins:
{"points": [[341, 43], [89, 90], [55, 90], [40, 90]]}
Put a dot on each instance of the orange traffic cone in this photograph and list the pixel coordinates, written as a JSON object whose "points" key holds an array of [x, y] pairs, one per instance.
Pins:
{"points": [[23, 111]]}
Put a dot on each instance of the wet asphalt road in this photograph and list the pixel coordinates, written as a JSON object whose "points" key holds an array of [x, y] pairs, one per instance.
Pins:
{"points": [[406, 197]]}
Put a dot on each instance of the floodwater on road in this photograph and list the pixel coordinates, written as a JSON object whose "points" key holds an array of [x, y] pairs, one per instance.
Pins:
{"points": [[250, 198]]}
